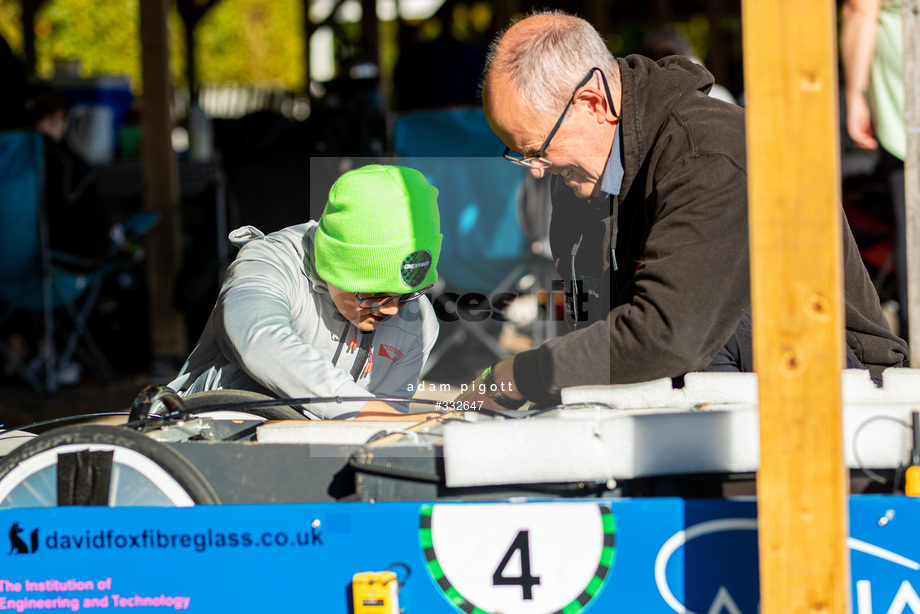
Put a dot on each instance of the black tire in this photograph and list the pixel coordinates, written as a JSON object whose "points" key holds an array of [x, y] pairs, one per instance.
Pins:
{"points": [[214, 398], [171, 462]]}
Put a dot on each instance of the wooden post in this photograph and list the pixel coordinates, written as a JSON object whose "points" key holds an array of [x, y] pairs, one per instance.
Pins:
{"points": [[910, 15], [192, 12], [502, 13], [191, 60], [796, 272], [599, 13], [308, 30], [370, 32], [717, 58], [30, 9], [161, 186]]}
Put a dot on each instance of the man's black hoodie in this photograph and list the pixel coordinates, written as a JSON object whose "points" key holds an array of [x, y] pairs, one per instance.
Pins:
{"points": [[682, 280]]}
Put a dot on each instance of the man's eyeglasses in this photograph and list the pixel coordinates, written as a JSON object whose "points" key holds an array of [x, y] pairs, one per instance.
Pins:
{"points": [[538, 160], [382, 300]]}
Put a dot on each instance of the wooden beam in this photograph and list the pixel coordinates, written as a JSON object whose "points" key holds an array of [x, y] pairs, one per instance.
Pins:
{"points": [[910, 16], [599, 13], [30, 9], [308, 30], [161, 185], [502, 13], [192, 12], [717, 58], [796, 276], [370, 32]]}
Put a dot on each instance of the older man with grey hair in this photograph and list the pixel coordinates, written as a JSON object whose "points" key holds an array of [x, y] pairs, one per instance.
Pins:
{"points": [[649, 230]]}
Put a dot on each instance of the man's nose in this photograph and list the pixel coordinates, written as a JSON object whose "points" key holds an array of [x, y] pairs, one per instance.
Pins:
{"points": [[537, 171]]}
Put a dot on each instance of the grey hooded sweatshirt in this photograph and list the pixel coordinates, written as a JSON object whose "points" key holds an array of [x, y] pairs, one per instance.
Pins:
{"points": [[276, 331]]}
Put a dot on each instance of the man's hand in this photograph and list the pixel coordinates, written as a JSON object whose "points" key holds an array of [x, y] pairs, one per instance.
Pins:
{"points": [[477, 391]]}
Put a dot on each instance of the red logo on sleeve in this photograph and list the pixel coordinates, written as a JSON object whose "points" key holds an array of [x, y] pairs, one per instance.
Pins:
{"points": [[388, 351]]}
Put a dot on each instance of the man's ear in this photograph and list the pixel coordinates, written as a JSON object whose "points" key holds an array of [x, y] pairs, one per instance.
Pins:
{"points": [[596, 104]]}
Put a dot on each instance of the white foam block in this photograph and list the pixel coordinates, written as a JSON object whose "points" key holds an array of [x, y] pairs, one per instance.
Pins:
{"points": [[598, 444], [340, 432], [656, 393], [877, 435], [900, 384], [720, 388], [608, 444]]}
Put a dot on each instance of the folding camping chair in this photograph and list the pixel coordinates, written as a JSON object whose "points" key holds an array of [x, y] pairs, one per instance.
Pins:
{"points": [[480, 196], [36, 280]]}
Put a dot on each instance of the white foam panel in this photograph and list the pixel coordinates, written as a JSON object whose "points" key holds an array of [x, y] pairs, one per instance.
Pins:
{"points": [[315, 431], [708, 426]]}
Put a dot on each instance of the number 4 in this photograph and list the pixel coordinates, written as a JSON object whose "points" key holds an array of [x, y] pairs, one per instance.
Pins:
{"points": [[526, 581]]}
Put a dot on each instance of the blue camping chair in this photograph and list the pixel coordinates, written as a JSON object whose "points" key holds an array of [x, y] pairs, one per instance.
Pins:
{"points": [[480, 198], [34, 279]]}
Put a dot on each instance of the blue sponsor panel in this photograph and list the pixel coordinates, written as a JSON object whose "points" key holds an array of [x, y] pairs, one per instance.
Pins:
{"points": [[638, 555], [221, 558], [694, 556], [884, 554]]}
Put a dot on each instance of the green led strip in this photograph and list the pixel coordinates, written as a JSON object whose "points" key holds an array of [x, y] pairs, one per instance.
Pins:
{"points": [[608, 553]]}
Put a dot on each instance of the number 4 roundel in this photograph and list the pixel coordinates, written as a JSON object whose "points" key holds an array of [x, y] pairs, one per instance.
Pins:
{"points": [[527, 558]]}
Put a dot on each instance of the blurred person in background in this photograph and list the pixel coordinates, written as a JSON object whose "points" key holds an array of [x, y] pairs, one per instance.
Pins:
{"points": [[77, 222], [13, 89], [872, 53], [666, 40]]}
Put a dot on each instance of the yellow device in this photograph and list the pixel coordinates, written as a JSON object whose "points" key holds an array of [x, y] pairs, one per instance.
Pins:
{"points": [[912, 475], [375, 592], [912, 481]]}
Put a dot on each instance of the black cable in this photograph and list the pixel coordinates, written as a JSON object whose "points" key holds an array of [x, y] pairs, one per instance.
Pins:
{"points": [[66, 419], [869, 473], [23, 436], [915, 431], [139, 419], [582, 405], [171, 415], [381, 434], [898, 477], [403, 565], [392, 472], [150, 395]]}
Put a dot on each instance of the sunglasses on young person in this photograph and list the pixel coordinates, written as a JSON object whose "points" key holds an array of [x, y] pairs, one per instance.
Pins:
{"points": [[382, 300]]}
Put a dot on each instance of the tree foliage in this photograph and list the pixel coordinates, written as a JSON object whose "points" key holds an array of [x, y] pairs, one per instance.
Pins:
{"points": [[245, 42], [9, 23], [253, 42]]}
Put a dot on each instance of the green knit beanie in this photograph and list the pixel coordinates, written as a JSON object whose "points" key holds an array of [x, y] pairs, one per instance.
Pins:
{"points": [[380, 231]]}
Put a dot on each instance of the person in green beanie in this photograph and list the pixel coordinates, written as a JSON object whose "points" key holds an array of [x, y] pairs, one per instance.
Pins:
{"points": [[330, 308]]}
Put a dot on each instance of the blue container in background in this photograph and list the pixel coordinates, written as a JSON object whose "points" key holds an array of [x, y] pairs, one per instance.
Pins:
{"points": [[112, 91], [98, 106]]}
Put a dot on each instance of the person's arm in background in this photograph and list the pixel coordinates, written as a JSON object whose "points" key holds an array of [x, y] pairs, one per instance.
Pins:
{"points": [[858, 31]]}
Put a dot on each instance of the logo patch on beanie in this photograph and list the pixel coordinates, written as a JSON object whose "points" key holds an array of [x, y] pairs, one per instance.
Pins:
{"points": [[414, 268]]}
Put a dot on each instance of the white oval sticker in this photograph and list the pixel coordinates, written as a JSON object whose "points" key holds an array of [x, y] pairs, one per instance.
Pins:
{"points": [[534, 558]]}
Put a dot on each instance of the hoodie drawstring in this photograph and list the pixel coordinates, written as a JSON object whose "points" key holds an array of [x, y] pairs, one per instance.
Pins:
{"points": [[364, 359]]}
